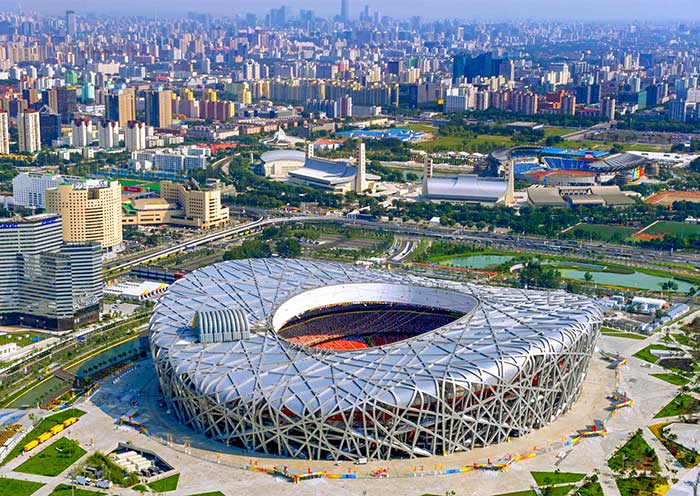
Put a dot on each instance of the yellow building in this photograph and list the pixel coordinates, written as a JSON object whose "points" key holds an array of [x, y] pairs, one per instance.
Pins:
{"points": [[91, 211], [186, 205]]}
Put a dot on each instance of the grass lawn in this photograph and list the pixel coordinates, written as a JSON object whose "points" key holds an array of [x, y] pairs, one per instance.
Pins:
{"points": [[463, 143], [20, 338], [164, 485], [529, 492], [642, 486], [557, 490], [681, 338], [14, 487], [645, 353], [66, 490], [674, 379], [677, 228], [551, 478], [53, 459], [214, 493], [419, 127], [616, 333], [680, 405], [42, 427], [634, 454], [602, 232], [590, 488]]}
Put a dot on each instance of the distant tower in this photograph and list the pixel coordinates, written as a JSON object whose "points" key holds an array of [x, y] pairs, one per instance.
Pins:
{"points": [[361, 164], [345, 10], [309, 150], [509, 197], [71, 23], [427, 173]]}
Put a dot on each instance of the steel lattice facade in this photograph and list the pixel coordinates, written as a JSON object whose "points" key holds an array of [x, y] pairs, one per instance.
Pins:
{"points": [[514, 362]]}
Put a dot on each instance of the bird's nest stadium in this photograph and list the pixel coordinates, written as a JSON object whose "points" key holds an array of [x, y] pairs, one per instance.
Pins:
{"points": [[329, 361]]}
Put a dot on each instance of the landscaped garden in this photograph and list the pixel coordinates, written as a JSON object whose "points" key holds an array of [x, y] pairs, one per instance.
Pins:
{"points": [[635, 454]]}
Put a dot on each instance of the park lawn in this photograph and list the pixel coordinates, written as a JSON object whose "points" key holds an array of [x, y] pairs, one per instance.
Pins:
{"points": [[635, 454], [53, 459], [646, 355], [15, 487], [678, 228], [66, 490], [164, 485], [552, 478], [674, 379], [558, 131], [602, 232], [682, 404], [590, 488], [43, 426], [681, 338]]}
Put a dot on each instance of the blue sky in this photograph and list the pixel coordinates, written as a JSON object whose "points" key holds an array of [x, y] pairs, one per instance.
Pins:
{"points": [[494, 9]]}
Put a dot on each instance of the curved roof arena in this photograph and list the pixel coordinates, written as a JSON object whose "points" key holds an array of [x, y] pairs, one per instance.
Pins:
{"points": [[503, 336]]}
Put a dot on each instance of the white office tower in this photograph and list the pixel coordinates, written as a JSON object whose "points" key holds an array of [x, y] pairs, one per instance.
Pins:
{"points": [[81, 132], [108, 134], [427, 173], [361, 174], [29, 188], [4, 134], [135, 136], [29, 133]]}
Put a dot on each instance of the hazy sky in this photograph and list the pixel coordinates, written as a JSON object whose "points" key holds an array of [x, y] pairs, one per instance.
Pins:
{"points": [[489, 9]]}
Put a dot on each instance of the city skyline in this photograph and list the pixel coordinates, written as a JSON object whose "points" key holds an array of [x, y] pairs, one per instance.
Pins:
{"points": [[600, 10]]}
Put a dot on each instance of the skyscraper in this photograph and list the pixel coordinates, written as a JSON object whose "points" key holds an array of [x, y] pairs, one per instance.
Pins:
{"points": [[71, 23], [120, 106], [4, 134], [159, 108], [29, 131], [44, 283], [345, 10]]}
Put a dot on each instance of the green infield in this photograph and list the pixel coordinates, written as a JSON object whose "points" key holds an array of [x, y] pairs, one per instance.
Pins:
{"points": [[165, 485], [676, 228], [43, 426], [15, 487], [682, 404], [674, 379], [53, 459], [552, 478]]}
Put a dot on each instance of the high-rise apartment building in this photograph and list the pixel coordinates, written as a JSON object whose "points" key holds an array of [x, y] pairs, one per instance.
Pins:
{"points": [[120, 106], [81, 132], [108, 134], [607, 108], [91, 211], [159, 108], [135, 136], [43, 282], [4, 133], [29, 131]]}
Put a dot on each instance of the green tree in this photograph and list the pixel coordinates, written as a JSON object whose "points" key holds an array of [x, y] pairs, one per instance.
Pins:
{"points": [[288, 248], [588, 277]]}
